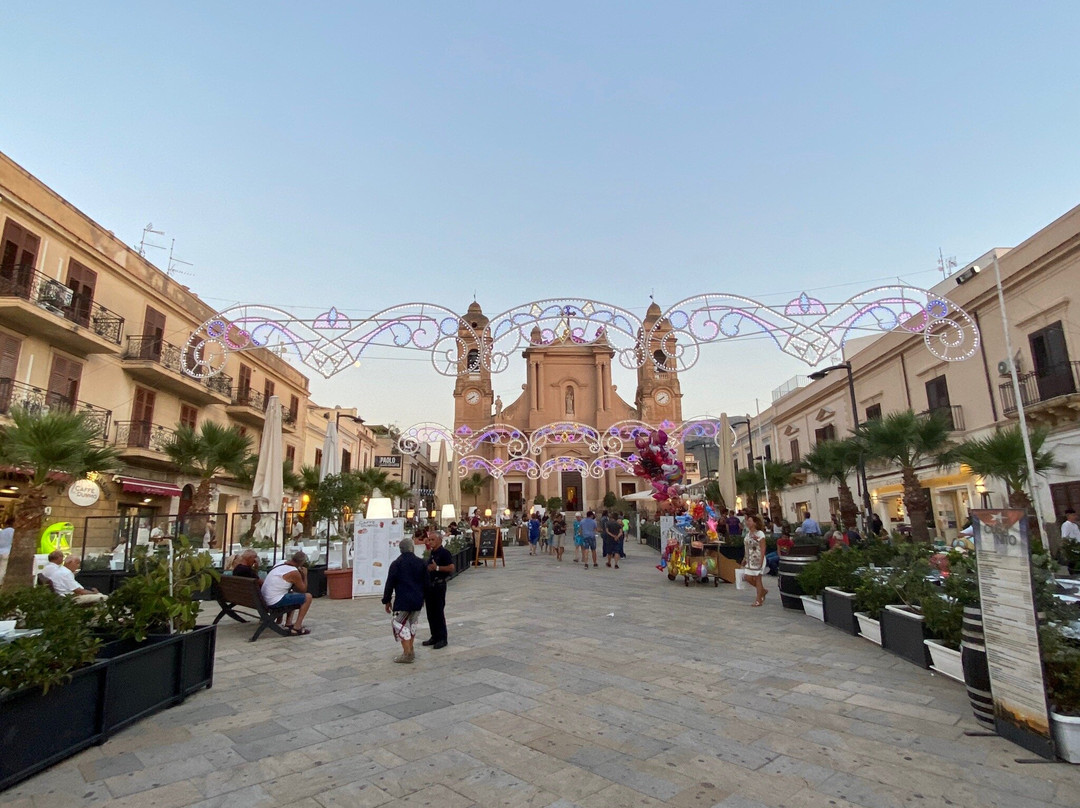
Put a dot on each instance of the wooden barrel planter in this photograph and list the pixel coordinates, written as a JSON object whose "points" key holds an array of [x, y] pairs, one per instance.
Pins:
{"points": [[790, 567], [976, 668]]}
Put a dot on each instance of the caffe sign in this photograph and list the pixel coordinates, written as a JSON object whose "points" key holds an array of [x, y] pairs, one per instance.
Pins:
{"points": [[84, 493]]}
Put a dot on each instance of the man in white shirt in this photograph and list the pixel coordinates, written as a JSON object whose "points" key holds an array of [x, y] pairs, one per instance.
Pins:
{"points": [[60, 573], [285, 586], [1070, 539], [7, 536]]}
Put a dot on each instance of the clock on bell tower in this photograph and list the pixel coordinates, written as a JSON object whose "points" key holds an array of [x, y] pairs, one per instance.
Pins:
{"points": [[659, 395], [473, 393]]}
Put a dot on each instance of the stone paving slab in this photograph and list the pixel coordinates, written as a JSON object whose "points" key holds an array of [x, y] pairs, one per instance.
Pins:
{"points": [[561, 687]]}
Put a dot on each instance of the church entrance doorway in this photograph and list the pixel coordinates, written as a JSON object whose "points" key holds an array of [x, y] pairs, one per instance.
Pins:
{"points": [[515, 499], [571, 490]]}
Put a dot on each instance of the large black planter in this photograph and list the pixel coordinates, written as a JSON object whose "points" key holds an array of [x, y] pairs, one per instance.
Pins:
{"points": [[105, 581], [129, 681], [902, 633], [316, 581], [840, 610]]}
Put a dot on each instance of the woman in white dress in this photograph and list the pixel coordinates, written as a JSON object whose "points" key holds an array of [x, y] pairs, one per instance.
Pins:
{"points": [[754, 562]]}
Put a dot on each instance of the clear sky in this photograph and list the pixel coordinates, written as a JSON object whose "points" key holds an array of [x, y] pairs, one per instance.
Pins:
{"points": [[365, 155]]}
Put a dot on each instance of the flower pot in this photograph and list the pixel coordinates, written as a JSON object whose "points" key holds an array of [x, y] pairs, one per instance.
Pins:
{"points": [[945, 660], [1066, 730], [339, 584], [814, 607], [903, 632], [840, 609], [869, 628], [790, 567], [976, 667]]}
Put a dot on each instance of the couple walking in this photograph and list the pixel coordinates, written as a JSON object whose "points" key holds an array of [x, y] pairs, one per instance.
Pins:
{"points": [[410, 586], [611, 534]]}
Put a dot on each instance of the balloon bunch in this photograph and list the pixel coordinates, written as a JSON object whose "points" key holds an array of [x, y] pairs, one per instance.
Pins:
{"points": [[658, 464]]}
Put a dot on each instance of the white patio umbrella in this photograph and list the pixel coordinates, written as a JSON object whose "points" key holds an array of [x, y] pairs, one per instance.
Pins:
{"points": [[268, 489], [442, 478], [454, 480], [725, 477], [331, 452]]}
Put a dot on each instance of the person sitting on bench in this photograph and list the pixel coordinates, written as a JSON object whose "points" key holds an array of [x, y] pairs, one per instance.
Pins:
{"points": [[60, 573], [286, 585], [247, 565]]}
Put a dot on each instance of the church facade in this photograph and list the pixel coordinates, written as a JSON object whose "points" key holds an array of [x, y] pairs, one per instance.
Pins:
{"points": [[567, 382]]}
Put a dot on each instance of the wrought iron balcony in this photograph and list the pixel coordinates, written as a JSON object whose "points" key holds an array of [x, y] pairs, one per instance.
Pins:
{"points": [[143, 435], [953, 415], [26, 283], [169, 357], [1046, 384], [246, 397], [36, 400]]}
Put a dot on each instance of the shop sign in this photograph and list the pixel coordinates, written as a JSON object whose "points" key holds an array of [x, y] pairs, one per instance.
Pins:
{"points": [[387, 461], [84, 493]]}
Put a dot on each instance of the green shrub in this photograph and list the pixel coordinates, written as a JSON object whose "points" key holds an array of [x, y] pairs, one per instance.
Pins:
{"points": [[1061, 664], [945, 612], [902, 581], [610, 499], [554, 504], [540, 500]]}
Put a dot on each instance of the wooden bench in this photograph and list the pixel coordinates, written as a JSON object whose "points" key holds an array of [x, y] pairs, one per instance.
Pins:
{"points": [[231, 591]]}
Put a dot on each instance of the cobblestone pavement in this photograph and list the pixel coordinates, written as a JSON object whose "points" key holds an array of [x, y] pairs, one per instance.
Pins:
{"points": [[560, 687]]}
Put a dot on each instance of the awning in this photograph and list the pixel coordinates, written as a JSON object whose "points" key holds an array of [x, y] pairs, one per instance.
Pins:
{"points": [[152, 487]]}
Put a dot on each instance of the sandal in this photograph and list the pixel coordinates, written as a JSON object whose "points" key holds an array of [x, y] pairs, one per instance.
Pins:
{"points": [[300, 632]]}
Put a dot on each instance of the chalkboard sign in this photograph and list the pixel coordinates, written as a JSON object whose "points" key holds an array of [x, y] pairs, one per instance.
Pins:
{"points": [[488, 545]]}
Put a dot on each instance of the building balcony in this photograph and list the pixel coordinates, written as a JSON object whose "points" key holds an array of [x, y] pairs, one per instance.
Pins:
{"points": [[35, 400], [248, 406], [1049, 395], [159, 365], [143, 443], [39, 305], [288, 419], [953, 415]]}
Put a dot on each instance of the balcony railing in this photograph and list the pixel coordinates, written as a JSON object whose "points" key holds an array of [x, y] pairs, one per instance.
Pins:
{"points": [[247, 397], [169, 356], [1041, 385], [36, 400], [953, 415], [27, 283], [143, 435], [288, 417]]}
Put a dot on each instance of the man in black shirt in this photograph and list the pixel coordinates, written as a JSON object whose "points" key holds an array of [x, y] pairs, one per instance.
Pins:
{"points": [[247, 565], [405, 588], [440, 567]]}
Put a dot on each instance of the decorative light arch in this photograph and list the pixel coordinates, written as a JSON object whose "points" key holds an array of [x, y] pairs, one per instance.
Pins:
{"points": [[805, 328]]}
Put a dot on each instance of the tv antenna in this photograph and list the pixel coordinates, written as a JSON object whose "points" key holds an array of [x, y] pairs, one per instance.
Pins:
{"points": [[143, 243], [173, 261], [945, 265]]}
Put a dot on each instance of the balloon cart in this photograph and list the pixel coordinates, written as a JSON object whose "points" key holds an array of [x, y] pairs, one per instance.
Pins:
{"points": [[692, 559]]}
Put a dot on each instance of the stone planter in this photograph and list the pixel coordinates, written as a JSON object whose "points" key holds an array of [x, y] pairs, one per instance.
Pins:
{"points": [[814, 607], [1066, 730], [840, 610], [869, 628], [903, 632], [945, 660]]}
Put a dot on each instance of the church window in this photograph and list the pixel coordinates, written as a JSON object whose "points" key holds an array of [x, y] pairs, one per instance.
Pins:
{"points": [[660, 358], [472, 362]]}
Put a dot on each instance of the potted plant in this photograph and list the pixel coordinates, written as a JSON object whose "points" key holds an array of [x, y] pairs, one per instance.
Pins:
{"points": [[1061, 666], [944, 613], [903, 626], [811, 582]]}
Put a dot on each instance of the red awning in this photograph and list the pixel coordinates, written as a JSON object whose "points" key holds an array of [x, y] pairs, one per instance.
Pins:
{"points": [[152, 487]]}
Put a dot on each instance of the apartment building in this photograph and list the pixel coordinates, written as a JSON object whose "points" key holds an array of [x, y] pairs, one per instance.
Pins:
{"points": [[87, 323], [896, 372]]}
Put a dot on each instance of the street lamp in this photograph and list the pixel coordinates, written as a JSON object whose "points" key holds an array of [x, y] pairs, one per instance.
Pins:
{"points": [[749, 433], [817, 375]]}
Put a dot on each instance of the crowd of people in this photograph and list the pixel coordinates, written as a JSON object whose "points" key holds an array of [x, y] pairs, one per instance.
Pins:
{"points": [[548, 535]]}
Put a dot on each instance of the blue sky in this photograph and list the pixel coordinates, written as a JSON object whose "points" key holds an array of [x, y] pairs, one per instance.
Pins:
{"points": [[365, 155]]}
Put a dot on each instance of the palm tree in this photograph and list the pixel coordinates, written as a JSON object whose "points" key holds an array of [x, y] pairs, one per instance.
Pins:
{"points": [[39, 445], [1001, 455], [909, 440], [748, 483], [309, 487], [779, 476], [473, 485], [206, 453], [834, 461], [371, 478]]}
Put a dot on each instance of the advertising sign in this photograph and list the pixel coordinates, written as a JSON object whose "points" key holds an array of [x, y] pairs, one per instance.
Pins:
{"points": [[1021, 713], [387, 461], [84, 493], [375, 545]]}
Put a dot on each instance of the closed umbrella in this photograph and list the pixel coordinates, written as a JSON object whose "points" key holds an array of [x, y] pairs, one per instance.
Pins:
{"points": [[726, 473], [442, 478], [453, 480], [269, 489], [331, 453]]}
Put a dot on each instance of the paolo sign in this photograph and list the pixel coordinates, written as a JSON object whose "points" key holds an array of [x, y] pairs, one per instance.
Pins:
{"points": [[84, 493]]}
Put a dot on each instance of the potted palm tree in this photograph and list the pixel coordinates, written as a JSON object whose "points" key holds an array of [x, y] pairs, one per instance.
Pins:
{"points": [[834, 461], [909, 440], [41, 445]]}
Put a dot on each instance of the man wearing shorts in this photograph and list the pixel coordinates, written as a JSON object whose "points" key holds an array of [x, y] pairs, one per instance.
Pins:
{"points": [[588, 538], [405, 587], [286, 587]]}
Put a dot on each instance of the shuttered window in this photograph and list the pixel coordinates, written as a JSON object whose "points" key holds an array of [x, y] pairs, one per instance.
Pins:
{"points": [[153, 334], [64, 378], [18, 252], [189, 416], [81, 281]]}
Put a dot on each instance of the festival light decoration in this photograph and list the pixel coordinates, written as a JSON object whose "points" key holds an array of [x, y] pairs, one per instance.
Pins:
{"points": [[805, 328]]}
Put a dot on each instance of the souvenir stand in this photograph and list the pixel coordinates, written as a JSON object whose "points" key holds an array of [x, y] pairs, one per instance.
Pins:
{"points": [[689, 552]]}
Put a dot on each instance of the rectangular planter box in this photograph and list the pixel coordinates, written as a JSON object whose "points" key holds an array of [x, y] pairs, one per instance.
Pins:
{"points": [[945, 660], [840, 610], [869, 628], [1066, 729], [132, 682], [903, 633], [814, 607]]}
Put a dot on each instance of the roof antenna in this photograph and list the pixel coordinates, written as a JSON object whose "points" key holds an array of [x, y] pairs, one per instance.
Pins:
{"points": [[143, 243], [172, 270]]}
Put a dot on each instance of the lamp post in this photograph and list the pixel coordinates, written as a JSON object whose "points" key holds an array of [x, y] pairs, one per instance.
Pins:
{"points": [[749, 433], [817, 375]]}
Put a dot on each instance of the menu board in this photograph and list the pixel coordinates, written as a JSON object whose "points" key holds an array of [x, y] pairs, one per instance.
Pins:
{"points": [[375, 545], [1021, 713], [489, 544]]}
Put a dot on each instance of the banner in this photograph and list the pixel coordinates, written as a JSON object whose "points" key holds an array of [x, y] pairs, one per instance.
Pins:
{"points": [[1011, 633], [375, 545]]}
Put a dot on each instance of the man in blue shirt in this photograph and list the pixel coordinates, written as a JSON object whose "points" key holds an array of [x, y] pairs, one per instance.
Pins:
{"points": [[809, 526], [534, 532], [588, 538]]}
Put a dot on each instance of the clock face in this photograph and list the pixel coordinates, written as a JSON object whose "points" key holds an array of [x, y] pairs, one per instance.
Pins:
{"points": [[472, 396], [663, 397]]}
